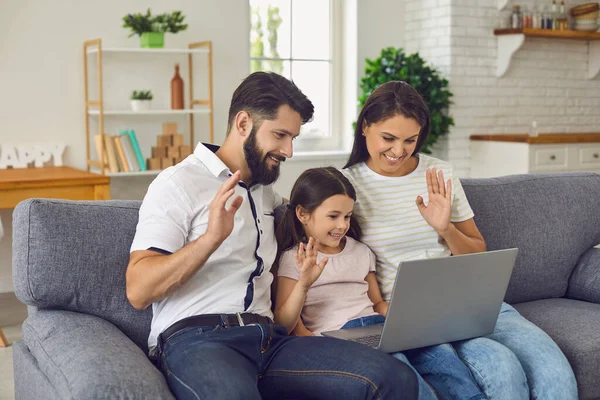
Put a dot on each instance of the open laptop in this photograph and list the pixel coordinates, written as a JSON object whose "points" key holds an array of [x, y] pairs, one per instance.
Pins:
{"points": [[440, 300]]}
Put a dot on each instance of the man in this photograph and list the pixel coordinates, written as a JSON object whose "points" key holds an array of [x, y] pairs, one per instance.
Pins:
{"points": [[202, 255]]}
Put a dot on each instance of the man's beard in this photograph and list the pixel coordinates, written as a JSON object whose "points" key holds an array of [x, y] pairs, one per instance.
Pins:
{"points": [[262, 174]]}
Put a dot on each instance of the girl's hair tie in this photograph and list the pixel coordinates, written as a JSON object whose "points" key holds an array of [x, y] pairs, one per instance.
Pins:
{"points": [[290, 206]]}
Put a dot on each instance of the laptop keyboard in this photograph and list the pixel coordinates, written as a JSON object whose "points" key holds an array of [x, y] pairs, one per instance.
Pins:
{"points": [[371, 340]]}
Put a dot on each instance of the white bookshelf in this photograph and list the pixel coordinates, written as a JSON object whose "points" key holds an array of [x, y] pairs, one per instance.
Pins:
{"points": [[151, 112], [95, 50]]}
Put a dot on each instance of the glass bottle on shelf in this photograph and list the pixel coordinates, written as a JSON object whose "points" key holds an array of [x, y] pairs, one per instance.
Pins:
{"points": [[533, 129], [516, 20], [554, 16], [536, 17], [177, 90], [546, 18], [526, 17]]}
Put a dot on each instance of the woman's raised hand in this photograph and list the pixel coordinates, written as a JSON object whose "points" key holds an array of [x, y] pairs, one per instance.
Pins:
{"points": [[306, 260], [439, 208]]}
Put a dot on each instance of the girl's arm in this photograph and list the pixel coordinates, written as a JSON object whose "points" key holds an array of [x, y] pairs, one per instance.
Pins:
{"points": [[291, 293], [289, 303], [379, 305], [301, 329]]}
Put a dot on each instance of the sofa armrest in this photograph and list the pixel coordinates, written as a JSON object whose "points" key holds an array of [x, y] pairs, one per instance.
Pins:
{"points": [[584, 283], [84, 356]]}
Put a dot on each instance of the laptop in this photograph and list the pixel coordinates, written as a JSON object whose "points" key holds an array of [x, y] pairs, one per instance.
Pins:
{"points": [[440, 300]]}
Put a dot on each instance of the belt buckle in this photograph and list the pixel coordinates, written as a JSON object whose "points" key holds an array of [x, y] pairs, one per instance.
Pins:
{"points": [[240, 319]]}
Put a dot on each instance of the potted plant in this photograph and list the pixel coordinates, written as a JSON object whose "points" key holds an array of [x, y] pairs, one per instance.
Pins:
{"points": [[140, 100], [394, 65], [152, 28]]}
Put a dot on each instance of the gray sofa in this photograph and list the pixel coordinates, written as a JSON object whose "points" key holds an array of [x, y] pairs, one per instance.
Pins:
{"points": [[83, 340]]}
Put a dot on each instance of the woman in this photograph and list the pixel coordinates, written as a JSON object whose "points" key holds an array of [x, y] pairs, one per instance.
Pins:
{"points": [[408, 211]]}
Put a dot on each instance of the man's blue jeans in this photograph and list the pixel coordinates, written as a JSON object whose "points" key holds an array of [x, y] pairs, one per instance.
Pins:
{"points": [[440, 364], [263, 362]]}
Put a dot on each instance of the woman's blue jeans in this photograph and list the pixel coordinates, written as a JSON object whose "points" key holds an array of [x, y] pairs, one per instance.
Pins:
{"points": [[518, 361], [440, 365], [263, 362]]}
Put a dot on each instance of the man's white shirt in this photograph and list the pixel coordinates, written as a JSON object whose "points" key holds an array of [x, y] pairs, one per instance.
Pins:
{"points": [[236, 277]]}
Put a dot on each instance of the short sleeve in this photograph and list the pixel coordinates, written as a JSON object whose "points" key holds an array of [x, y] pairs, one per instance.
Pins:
{"points": [[287, 265], [461, 209], [372, 260], [164, 218]]}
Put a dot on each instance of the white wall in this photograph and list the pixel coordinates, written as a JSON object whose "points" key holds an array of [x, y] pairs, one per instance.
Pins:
{"points": [[546, 81], [41, 72]]}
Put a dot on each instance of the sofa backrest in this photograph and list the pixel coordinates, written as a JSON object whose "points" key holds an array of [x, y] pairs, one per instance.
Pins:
{"points": [[73, 255], [552, 219]]}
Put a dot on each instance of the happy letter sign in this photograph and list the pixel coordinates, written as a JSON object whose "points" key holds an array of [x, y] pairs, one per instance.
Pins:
{"points": [[21, 155]]}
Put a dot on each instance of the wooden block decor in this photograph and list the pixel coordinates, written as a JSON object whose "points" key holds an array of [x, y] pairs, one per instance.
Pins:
{"points": [[172, 152], [154, 164], [185, 151], [159, 151], [169, 128], [177, 140], [166, 162], [164, 140], [169, 149]]}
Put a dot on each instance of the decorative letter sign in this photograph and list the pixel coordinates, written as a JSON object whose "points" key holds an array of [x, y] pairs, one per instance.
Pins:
{"points": [[24, 154]]}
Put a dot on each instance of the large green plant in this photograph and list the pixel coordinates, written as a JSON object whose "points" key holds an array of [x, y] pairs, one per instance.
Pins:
{"points": [[394, 65]]}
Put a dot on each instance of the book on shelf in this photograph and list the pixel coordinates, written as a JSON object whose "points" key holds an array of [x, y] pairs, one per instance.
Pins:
{"points": [[113, 165], [136, 149], [121, 152], [98, 145], [129, 153]]}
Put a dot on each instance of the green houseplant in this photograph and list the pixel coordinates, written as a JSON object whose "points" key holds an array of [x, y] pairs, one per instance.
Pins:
{"points": [[152, 28], [394, 65], [140, 100]]}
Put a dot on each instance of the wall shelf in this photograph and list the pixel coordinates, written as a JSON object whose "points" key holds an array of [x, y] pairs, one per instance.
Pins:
{"points": [[94, 50], [94, 108], [511, 40], [151, 112]]}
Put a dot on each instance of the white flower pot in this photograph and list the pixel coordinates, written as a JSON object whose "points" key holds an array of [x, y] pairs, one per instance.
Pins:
{"points": [[140, 105]]}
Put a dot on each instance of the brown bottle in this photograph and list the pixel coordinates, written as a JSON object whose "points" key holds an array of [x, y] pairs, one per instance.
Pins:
{"points": [[177, 90]]}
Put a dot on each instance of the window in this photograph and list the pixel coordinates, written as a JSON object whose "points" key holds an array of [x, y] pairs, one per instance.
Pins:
{"points": [[298, 39]]}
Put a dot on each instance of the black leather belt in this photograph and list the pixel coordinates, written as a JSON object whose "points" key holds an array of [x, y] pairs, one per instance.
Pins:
{"points": [[224, 320]]}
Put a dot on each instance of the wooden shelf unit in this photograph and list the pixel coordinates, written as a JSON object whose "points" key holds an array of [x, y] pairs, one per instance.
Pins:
{"points": [[95, 108], [511, 40]]}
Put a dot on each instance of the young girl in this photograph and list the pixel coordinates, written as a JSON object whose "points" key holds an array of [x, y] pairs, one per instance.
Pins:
{"points": [[408, 211], [326, 277]]}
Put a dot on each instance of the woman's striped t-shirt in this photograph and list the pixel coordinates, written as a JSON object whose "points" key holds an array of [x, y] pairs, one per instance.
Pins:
{"points": [[390, 220]]}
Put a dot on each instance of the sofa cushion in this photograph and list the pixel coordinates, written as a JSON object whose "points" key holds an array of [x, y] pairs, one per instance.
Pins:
{"points": [[552, 219], [73, 255], [585, 280], [575, 327]]}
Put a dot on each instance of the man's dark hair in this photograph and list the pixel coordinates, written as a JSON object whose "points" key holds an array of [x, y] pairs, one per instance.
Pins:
{"points": [[262, 93]]}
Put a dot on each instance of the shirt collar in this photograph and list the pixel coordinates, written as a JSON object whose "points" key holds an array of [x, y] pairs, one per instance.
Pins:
{"points": [[206, 153]]}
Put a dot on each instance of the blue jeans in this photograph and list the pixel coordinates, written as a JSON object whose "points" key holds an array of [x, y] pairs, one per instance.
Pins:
{"points": [[439, 365], [538, 369], [263, 362]]}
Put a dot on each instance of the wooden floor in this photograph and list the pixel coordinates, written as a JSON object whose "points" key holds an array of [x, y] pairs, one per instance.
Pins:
{"points": [[12, 315]]}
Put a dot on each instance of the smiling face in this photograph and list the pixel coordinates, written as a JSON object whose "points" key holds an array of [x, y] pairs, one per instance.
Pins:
{"points": [[270, 144], [329, 222], [390, 144]]}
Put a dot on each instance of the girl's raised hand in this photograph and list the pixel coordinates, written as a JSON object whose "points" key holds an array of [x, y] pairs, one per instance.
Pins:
{"points": [[437, 212], [306, 260]]}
